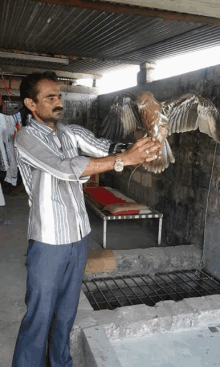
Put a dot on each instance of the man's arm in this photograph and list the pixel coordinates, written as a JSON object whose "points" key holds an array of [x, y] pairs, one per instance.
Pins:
{"points": [[92, 146], [133, 156], [88, 144], [39, 155]]}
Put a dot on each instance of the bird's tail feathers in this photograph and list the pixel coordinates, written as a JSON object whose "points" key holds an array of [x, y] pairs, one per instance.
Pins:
{"points": [[160, 164]]}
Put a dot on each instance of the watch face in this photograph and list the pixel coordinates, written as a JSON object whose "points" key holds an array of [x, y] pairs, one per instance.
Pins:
{"points": [[119, 166]]}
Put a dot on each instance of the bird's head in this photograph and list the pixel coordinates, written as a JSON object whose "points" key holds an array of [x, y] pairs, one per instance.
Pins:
{"points": [[146, 99], [149, 108]]}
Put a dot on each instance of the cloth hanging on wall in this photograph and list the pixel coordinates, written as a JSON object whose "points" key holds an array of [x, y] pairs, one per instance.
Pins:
{"points": [[8, 123], [12, 172], [4, 164], [2, 199]]}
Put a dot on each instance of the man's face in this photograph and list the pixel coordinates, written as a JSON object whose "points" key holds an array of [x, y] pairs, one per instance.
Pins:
{"points": [[48, 104]]}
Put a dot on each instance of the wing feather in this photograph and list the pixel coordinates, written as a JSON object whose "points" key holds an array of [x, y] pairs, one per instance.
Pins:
{"points": [[160, 164], [122, 119], [192, 111], [105, 129]]}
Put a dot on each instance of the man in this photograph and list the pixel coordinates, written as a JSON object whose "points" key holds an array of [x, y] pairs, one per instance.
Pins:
{"points": [[53, 172]]}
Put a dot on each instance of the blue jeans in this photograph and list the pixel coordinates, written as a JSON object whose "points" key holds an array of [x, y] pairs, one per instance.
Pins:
{"points": [[54, 282]]}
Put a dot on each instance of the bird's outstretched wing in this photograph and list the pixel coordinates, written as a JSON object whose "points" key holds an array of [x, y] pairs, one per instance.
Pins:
{"points": [[190, 112], [122, 119], [145, 115]]}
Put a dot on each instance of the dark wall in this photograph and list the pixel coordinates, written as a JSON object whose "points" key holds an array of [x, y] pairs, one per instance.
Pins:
{"points": [[182, 190], [80, 109]]}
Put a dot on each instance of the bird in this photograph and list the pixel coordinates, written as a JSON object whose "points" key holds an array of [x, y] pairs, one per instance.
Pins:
{"points": [[131, 118]]}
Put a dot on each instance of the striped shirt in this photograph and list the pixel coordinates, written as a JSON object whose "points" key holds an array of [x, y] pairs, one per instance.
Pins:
{"points": [[51, 163]]}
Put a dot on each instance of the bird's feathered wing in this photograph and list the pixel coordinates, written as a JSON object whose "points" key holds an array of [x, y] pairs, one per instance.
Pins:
{"points": [[190, 112], [122, 119], [158, 120], [186, 113]]}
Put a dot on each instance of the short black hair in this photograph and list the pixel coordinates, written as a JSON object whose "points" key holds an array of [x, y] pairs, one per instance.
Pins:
{"points": [[28, 87]]}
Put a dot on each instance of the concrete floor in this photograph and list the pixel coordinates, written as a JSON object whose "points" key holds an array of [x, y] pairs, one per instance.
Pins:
{"points": [[191, 348], [13, 245]]}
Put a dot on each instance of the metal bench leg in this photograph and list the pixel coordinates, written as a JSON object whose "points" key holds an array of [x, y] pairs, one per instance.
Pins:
{"points": [[160, 230], [104, 232]]}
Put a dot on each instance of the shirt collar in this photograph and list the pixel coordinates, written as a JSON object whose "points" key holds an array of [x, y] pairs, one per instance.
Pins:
{"points": [[40, 127]]}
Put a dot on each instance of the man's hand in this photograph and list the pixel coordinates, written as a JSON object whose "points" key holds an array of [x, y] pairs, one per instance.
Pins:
{"points": [[144, 150]]}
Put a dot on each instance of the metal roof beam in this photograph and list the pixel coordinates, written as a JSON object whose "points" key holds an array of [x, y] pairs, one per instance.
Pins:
{"points": [[113, 7], [59, 59], [22, 71], [26, 56]]}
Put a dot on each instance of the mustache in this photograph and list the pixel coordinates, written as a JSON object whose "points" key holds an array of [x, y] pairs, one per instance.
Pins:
{"points": [[57, 109]]}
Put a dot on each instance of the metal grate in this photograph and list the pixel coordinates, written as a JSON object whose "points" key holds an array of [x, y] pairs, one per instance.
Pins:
{"points": [[110, 293]]}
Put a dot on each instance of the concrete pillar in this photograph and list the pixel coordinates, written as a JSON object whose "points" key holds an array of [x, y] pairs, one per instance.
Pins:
{"points": [[146, 73]]}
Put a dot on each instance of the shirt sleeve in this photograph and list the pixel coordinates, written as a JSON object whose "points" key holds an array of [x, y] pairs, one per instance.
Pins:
{"points": [[38, 154], [90, 145]]}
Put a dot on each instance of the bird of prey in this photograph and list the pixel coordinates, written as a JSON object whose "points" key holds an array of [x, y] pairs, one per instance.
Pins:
{"points": [[131, 118]]}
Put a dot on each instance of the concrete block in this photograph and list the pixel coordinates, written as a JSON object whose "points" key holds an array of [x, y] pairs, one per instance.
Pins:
{"points": [[76, 347], [208, 317], [98, 350], [138, 329], [214, 301], [185, 257], [182, 316], [161, 325], [84, 303], [136, 313], [112, 331], [154, 259], [206, 309], [134, 321], [177, 308], [85, 319], [195, 303], [103, 317], [161, 310], [204, 303]]}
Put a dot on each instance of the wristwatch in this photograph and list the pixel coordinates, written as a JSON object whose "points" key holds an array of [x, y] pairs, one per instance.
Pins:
{"points": [[118, 166]]}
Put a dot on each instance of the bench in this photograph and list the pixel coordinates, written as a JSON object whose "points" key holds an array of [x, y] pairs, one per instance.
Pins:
{"points": [[110, 204]]}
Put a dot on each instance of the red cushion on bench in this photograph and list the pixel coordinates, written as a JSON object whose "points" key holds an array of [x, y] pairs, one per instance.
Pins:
{"points": [[105, 197]]}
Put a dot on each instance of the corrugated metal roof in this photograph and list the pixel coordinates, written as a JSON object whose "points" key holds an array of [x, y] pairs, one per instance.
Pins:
{"points": [[98, 39], [199, 39]]}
